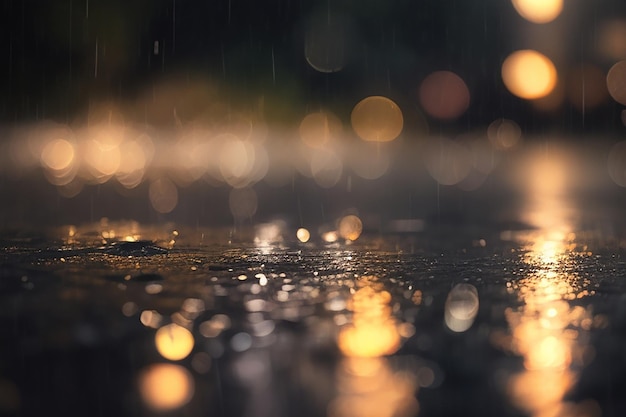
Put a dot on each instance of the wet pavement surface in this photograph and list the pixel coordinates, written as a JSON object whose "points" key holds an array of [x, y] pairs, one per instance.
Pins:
{"points": [[522, 323]]}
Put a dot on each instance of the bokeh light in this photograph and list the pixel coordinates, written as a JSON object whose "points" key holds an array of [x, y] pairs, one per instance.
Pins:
{"points": [[58, 155], [616, 82], [350, 227], [377, 119], [538, 11], [461, 307], [102, 158], [529, 74], [133, 164], [163, 195], [504, 134], [318, 128], [444, 95], [166, 387], [174, 342], [303, 235], [373, 332], [237, 159]]}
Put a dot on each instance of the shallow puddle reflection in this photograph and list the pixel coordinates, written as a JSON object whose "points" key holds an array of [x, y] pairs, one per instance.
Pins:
{"points": [[367, 385], [550, 330]]}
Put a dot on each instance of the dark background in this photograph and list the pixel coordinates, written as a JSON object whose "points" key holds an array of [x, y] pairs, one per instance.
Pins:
{"points": [[253, 50]]}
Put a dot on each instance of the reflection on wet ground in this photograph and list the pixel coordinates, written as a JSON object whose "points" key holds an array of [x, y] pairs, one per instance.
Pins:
{"points": [[529, 324]]}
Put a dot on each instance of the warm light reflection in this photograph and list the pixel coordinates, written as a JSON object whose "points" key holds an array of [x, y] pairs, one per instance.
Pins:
{"points": [[529, 74], [370, 387], [174, 342], [377, 119], [546, 330], [166, 387], [547, 175], [373, 331], [367, 383], [444, 95], [538, 11]]}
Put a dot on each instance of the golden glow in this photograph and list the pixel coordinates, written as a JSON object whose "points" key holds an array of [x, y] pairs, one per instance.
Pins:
{"points": [[369, 387], [163, 195], [318, 128], [350, 227], [377, 119], [367, 384], [529, 74], [616, 82], [444, 95], [538, 11], [103, 159], [546, 330], [541, 333], [58, 155], [174, 342], [330, 237], [166, 387], [303, 235], [373, 332]]}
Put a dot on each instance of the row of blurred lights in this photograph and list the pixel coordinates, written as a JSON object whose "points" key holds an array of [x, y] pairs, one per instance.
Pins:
{"points": [[131, 156]]}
